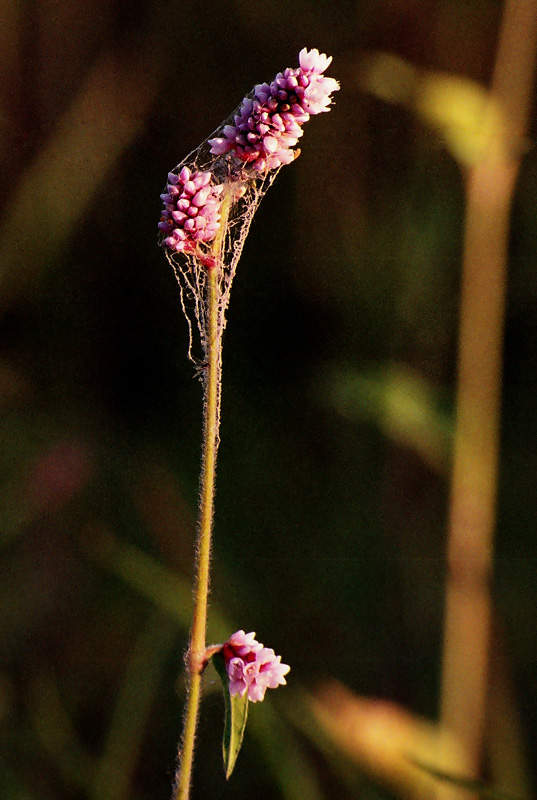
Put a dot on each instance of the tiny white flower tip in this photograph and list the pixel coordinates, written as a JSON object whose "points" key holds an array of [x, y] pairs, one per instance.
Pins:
{"points": [[270, 143], [313, 61]]}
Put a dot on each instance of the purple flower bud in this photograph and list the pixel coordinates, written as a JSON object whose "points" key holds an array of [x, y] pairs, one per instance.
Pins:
{"points": [[191, 211], [260, 135], [251, 667]]}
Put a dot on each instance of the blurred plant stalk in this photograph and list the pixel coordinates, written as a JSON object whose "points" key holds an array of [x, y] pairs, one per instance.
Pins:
{"points": [[490, 185]]}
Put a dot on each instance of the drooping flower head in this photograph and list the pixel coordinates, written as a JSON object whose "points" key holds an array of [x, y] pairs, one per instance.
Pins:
{"points": [[251, 667], [191, 210], [269, 122]]}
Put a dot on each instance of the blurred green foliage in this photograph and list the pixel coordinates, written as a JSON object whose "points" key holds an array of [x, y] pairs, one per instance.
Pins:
{"points": [[339, 365]]}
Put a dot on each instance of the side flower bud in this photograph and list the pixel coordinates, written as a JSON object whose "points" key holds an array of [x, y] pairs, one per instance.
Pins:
{"points": [[191, 212], [251, 667]]}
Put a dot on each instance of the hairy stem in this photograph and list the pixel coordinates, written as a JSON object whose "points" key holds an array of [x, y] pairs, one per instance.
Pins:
{"points": [[211, 424]]}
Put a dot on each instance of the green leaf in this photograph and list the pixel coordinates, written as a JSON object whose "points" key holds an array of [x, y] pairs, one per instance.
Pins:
{"points": [[235, 720]]}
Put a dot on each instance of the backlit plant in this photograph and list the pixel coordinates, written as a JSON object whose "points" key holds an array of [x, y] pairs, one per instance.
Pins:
{"points": [[208, 206]]}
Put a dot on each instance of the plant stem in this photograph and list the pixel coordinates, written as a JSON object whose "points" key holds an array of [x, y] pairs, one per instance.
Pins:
{"points": [[211, 424], [210, 447]]}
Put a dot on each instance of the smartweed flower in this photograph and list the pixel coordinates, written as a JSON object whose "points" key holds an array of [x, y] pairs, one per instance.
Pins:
{"points": [[209, 203], [251, 667], [191, 210], [269, 122]]}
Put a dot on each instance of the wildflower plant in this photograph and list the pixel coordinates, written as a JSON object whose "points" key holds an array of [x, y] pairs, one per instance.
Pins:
{"points": [[208, 205]]}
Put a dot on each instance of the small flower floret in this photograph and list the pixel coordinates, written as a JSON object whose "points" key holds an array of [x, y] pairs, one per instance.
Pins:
{"points": [[269, 122], [251, 667], [191, 210]]}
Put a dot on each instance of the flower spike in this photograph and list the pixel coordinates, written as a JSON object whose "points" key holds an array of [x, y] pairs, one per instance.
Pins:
{"points": [[269, 122], [191, 210]]}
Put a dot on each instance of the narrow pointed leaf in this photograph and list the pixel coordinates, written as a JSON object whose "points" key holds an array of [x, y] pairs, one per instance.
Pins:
{"points": [[235, 718]]}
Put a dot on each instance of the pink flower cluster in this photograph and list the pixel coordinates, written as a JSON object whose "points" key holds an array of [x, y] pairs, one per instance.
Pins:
{"points": [[191, 210], [270, 122], [251, 667]]}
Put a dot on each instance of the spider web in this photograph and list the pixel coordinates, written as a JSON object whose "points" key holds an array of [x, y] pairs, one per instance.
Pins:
{"points": [[246, 188]]}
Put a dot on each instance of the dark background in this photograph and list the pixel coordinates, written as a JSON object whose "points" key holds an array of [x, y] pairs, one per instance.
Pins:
{"points": [[338, 391]]}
